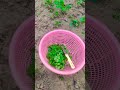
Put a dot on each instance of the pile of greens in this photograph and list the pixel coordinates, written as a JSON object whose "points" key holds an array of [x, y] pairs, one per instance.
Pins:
{"points": [[56, 56]]}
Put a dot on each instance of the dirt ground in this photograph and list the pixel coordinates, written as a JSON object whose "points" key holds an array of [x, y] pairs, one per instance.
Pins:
{"points": [[45, 79]]}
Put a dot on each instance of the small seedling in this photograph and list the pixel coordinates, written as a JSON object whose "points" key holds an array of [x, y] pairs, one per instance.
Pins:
{"points": [[82, 19], [80, 2], [60, 4], [56, 14], [57, 24], [49, 3], [83, 32], [74, 23], [71, 17], [61, 78]]}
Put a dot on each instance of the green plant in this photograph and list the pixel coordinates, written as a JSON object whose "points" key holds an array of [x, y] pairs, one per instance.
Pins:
{"points": [[60, 4], [56, 14], [80, 2], [57, 24], [74, 23], [56, 56], [49, 3], [71, 17], [82, 19], [83, 32], [61, 78]]}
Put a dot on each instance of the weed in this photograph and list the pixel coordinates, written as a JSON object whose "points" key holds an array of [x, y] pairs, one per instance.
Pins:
{"points": [[83, 32], [82, 19], [74, 23], [56, 14], [60, 4], [71, 17], [61, 78], [49, 3], [80, 2], [57, 24]]}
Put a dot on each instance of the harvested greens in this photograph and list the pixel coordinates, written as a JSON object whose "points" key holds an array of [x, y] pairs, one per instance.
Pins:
{"points": [[57, 56]]}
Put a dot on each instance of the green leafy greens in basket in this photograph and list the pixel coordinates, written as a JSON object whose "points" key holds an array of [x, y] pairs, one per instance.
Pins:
{"points": [[56, 56]]}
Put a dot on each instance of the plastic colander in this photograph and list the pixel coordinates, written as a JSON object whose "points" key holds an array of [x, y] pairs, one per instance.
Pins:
{"points": [[74, 44], [102, 56], [20, 53]]}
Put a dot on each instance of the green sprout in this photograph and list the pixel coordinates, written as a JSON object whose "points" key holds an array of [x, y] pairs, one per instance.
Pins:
{"points": [[80, 2], [61, 78], [57, 24], [83, 32], [75, 23], [71, 17], [82, 19], [49, 4], [56, 14], [60, 4]]}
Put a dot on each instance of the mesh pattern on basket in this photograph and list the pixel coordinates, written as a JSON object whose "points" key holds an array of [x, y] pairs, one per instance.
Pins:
{"points": [[102, 58], [73, 44], [22, 43]]}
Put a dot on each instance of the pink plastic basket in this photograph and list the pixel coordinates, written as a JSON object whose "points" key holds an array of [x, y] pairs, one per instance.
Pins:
{"points": [[20, 54], [74, 44], [102, 56]]}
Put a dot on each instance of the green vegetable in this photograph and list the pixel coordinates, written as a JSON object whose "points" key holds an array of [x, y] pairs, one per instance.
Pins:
{"points": [[56, 56]]}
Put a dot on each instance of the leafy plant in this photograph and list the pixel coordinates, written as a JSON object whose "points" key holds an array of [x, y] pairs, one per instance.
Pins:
{"points": [[82, 19], [71, 17], [83, 32], [56, 56], [80, 2], [75, 23], [49, 3], [56, 14], [60, 4], [57, 24], [61, 78]]}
